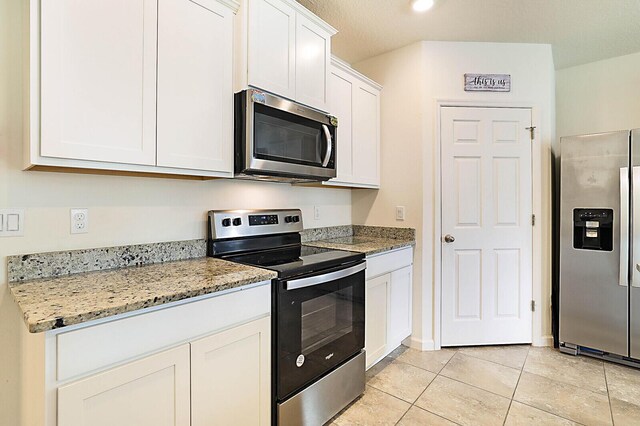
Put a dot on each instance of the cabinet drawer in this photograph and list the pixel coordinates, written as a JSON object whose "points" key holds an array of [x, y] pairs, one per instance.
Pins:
{"points": [[384, 263], [92, 348]]}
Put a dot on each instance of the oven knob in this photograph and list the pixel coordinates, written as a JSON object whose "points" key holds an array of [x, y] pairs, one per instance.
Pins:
{"points": [[226, 222], [295, 219], [288, 219], [237, 221]]}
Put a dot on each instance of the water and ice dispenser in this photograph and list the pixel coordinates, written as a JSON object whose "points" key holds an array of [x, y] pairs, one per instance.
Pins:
{"points": [[593, 229]]}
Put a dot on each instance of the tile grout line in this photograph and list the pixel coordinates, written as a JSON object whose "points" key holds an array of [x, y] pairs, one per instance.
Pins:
{"points": [[606, 383], [538, 408], [504, 422], [488, 360], [549, 412], [425, 389]]}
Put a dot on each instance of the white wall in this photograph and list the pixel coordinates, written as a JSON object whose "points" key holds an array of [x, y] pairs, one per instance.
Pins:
{"points": [[434, 71], [122, 210], [401, 163], [599, 97]]}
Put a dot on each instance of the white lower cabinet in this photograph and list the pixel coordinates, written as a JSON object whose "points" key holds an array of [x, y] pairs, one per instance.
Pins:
{"points": [[200, 362], [151, 391], [387, 302], [230, 376], [376, 317]]}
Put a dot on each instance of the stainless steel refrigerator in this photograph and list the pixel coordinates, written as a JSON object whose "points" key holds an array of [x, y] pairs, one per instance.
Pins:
{"points": [[600, 245]]}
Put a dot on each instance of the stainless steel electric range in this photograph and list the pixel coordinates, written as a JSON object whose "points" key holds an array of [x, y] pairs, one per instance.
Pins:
{"points": [[317, 311]]}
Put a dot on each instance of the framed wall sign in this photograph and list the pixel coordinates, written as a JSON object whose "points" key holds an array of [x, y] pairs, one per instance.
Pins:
{"points": [[487, 82]]}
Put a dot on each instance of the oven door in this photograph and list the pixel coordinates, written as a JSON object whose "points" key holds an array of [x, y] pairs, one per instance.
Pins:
{"points": [[319, 325], [288, 139]]}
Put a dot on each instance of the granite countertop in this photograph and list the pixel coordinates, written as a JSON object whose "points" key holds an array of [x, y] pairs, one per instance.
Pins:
{"points": [[363, 244], [51, 303], [59, 289]]}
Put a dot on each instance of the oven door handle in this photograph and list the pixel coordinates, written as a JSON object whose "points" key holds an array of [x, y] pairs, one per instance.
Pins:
{"points": [[327, 156], [324, 278]]}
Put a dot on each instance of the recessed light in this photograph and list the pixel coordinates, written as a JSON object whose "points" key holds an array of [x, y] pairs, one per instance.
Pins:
{"points": [[422, 5]]}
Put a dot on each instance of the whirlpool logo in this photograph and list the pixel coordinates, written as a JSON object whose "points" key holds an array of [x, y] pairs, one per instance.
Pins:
{"points": [[328, 357]]}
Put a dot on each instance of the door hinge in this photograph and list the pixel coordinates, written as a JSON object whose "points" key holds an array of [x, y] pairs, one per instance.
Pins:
{"points": [[532, 131], [533, 306], [533, 220]]}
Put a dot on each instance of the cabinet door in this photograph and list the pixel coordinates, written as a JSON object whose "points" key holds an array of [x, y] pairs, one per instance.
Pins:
{"points": [[400, 307], [341, 105], [366, 135], [376, 317], [98, 80], [313, 50], [231, 376], [150, 391], [272, 46], [195, 87]]}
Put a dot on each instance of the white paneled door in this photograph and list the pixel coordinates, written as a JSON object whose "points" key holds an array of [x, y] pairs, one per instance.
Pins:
{"points": [[486, 225]]}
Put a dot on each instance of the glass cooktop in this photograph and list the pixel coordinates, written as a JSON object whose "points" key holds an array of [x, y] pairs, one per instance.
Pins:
{"points": [[296, 260]]}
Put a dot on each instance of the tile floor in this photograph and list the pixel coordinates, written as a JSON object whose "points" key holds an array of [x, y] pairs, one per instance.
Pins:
{"points": [[495, 385]]}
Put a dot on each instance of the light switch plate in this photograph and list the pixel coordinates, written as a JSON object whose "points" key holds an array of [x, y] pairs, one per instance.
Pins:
{"points": [[399, 212], [11, 223]]}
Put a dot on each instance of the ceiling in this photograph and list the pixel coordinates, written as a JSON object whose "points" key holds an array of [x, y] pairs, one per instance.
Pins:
{"points": [[580, 31]]}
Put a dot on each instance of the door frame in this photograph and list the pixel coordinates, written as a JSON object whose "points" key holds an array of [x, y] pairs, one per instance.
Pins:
{"points": [[537, 337]]}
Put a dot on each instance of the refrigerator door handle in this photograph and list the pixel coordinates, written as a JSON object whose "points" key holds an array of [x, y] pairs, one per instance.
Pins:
{"points": [[624, 227], [635, 277]]}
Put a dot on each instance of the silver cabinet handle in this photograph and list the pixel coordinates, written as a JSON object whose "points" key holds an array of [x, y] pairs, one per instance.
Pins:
{"points": [[327, 156], [449, 238], [623, 279], [324, 278]]}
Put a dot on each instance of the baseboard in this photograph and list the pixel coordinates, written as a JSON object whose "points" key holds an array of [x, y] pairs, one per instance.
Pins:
{"points": [[419, 344], [543, 341]]}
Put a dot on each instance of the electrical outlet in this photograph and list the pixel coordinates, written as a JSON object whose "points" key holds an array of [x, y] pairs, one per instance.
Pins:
{"points": [[79, 221], [316, 212], [400, 213]]}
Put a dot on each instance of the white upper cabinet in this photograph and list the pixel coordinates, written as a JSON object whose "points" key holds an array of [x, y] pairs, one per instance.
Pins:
{"points": [[195, 87], [98, 80], [140, 86], [272, 46], [284, 49], [366, 135], [313, 57], [355, 101]]}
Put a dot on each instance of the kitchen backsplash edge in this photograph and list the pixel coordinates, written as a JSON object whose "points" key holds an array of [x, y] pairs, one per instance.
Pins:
{"points": [[21, 268]]}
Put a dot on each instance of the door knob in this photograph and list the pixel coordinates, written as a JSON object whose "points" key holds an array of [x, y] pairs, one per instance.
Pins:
{"points": [[449, 238]]}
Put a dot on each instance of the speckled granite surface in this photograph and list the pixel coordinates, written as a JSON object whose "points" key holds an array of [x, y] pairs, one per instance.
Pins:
{"points": [[364, 239], [332, 232], [327, 233], [52, 303], [367, 245], [57, 264], [64, 288]]}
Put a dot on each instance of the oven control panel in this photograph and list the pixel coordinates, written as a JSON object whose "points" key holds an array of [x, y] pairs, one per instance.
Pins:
{"points": [[224, 224], [263, 219]]}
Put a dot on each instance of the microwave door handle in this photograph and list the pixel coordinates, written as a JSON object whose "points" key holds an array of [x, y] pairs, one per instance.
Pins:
{"points": [[324, 278], [327, 156]]}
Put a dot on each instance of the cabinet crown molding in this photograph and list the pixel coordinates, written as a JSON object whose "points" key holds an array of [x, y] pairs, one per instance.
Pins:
{"points": [[231, 4], [346, 67], [312, 16]]}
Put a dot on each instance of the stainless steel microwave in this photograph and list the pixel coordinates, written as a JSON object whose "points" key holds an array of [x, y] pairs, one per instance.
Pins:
{"points": [[280, 140]]}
